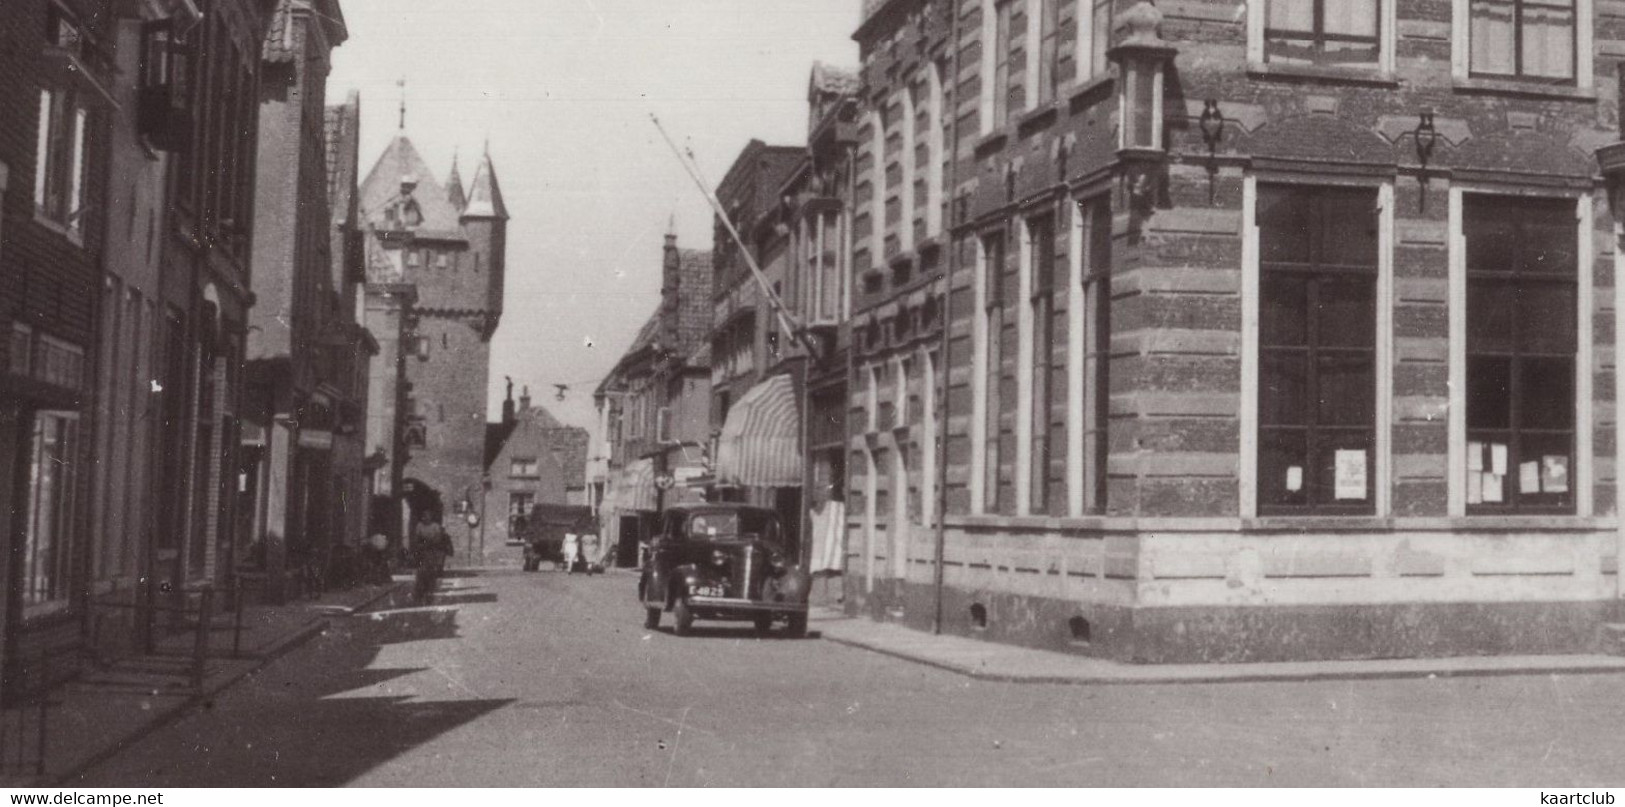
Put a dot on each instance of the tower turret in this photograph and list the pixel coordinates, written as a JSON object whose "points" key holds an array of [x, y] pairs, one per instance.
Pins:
{"points": [[485, 220]]}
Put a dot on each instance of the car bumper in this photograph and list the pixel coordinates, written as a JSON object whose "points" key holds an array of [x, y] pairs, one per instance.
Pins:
{"points": [[728, 608]]}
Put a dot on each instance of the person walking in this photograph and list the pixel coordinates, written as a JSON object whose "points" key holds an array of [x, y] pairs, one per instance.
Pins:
{"points": [[431, 546]]}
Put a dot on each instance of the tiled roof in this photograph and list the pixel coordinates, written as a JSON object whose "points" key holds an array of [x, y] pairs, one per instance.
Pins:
{"points": [[694, 301], [454, 187], [282, 36], [341, 125], [382, 187], [485, 193]]}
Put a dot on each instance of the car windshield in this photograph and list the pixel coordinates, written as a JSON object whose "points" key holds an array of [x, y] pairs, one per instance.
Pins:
{"points": [[734, 526]]}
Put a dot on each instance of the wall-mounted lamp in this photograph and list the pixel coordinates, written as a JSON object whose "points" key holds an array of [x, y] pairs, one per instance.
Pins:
{"points": [[1427, 139], [1212, 126]]}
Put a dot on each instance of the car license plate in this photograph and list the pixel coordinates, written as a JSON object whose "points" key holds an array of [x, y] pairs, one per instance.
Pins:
{"points": [[705, 591]]}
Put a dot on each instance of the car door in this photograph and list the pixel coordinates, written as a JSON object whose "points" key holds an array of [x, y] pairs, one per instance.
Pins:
{"points": [[665, 550]]}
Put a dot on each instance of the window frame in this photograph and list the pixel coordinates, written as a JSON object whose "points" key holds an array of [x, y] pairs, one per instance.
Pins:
{"points": [[1380, 465], [1387, 43], [524, 467], [1581, 477], [60, 154], [1518, 73], [1584, 78], [54, 573]]}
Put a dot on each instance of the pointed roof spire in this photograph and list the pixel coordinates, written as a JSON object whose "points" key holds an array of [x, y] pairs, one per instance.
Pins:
{"points": [[454, 186], [484, 193]]}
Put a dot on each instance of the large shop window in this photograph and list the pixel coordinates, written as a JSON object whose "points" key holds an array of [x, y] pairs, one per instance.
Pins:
{"points": [[1317, 339], [1324, 32], [49, 511], [1532, 39], [1522, 287]]}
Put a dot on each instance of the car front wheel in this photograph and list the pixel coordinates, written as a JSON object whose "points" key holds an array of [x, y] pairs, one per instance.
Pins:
{"points": [[683, 616], [764, 623]]}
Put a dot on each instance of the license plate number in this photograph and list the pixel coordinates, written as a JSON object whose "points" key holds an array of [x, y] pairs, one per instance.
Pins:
{"points": [[705, 591]]}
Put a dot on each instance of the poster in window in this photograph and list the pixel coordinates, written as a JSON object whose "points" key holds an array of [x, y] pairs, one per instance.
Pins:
{"points": [[1554, 473], [1294, 478], [1529, 477], [1498, 459], [1494, 488], [1350, 467], [1475, 487], [1475, 457]]}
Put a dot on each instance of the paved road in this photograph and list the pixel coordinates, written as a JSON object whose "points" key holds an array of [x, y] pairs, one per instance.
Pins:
{"points": [[548, 680]]}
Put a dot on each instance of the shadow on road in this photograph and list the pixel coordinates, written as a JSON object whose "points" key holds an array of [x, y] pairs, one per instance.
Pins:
{"points": [[743, 631], [321, 717]]}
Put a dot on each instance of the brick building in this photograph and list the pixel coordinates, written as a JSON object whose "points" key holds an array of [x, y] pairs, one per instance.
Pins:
{"points": [[436, 257], [301, 337], [1274, 330], [56, 69], [654, 406], [756, 369], [531, 459]]}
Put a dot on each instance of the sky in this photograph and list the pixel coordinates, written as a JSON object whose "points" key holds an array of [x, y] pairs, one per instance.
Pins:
{"points": [[562, 93]]}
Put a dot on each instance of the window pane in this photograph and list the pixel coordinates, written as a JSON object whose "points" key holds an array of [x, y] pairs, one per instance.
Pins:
{"points": [[1546, 317], [1142, 106], [1546, 393], [1348, 312], [1325, 465], [1490, 309], [1350, 230], [1490, 227], [1285, 220], [1284, 389], [1492, 37], [1346, 390], [1351, 17], [1548, 41], [1283, 475], [1550, 236], [1282, 309], [1292, 15], [1489, 392]]}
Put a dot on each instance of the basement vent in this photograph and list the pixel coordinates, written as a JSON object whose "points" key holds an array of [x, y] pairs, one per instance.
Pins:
{"points": [[1080, 629]]}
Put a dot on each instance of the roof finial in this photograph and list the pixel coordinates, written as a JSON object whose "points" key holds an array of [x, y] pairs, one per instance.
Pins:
{"points": [[401, 82]]}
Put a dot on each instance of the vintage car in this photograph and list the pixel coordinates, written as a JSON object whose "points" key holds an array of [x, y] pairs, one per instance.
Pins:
{"points": [[723, 562]]}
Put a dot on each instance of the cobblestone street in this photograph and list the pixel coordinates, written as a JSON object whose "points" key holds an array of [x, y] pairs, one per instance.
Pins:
{"points": [[545, 679]]}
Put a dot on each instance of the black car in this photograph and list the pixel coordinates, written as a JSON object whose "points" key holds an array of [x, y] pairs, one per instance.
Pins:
{"points": [[723, 562]]}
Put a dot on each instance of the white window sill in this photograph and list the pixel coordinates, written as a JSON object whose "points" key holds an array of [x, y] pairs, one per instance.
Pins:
{"points": [[1524, 89], [75, 236], [1362, 76]]}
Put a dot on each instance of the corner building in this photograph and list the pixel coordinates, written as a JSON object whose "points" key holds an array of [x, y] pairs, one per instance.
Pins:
{"points": [[1274, 330]]}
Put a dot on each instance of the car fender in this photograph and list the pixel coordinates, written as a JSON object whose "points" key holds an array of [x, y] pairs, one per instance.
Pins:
{"points": [[682, 577]]}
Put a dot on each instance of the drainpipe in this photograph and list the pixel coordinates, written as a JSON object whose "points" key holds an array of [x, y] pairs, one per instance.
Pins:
{"points": [[951, 245]]}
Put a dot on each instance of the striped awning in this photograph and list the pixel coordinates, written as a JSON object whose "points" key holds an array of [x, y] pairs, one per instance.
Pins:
{"points": [[760, 444]]}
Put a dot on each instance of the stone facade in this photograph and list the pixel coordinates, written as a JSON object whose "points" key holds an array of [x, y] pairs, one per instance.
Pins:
{"points": [[447, 248], [1119, 478]]}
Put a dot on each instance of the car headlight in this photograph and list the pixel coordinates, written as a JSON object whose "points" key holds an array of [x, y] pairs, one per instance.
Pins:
{"points": [[719, 557]]}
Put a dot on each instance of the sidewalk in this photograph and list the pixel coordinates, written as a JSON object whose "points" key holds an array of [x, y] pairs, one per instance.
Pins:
{"points": [[108, 708], [999, 662]]}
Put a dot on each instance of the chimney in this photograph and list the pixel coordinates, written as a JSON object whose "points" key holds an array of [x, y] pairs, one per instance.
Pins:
{"points": [[507, 404], [670, 285], [524, 399]]}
